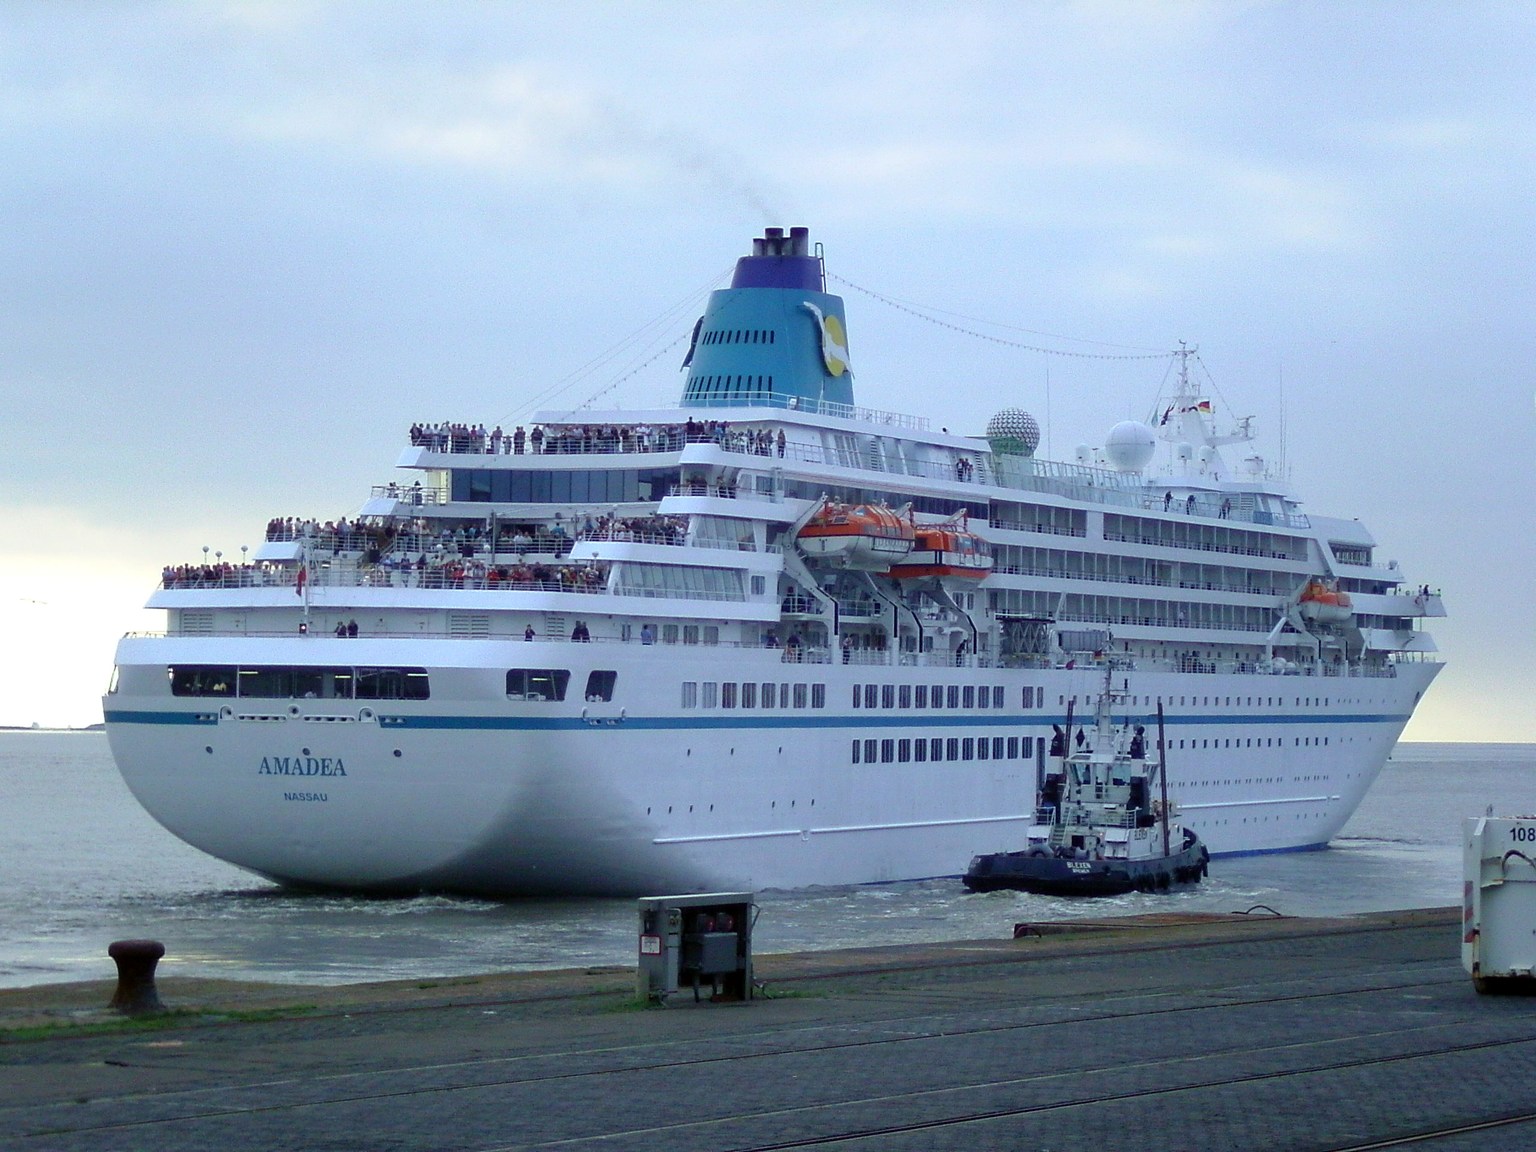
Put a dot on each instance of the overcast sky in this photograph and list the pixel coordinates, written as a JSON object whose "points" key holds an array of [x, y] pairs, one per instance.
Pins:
{"points": [[245, 245]]}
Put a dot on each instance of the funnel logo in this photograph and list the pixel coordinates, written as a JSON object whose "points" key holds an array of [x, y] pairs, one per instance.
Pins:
{"points": [[834, 343]]}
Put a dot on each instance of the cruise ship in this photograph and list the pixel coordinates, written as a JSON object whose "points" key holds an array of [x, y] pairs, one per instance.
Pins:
{"points": [[765, 638]]}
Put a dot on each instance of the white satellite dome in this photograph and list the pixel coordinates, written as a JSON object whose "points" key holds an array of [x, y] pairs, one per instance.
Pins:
{"points": [[1130, 446]]}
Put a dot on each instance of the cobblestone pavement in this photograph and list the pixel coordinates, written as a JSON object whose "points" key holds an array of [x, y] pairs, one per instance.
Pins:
{"points": [[1149, 1035]]}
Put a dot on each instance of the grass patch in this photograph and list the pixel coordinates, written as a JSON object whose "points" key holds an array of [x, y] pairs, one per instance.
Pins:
{"points": [[148, 1025]]}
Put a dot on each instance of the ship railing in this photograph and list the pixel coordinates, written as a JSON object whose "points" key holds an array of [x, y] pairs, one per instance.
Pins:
{"points": [[413, 494], [405, 576], [762, 399], [1128, 578], [648, 592], [676, 539], [1044, 529], [1196, 546], [805, 654], [564, 440]]}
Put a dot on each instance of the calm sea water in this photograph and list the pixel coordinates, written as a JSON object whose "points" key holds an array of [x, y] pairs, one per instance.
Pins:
{"points": [[83, 865]]}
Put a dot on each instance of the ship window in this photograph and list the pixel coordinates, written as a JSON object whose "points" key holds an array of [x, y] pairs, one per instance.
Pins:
{"points": [[887, 751], [710, 696], [904, 696], [936, 749], [266, 683], [768, 695], [920, 694], [537, 684], [855, 751], [690, 694], [952, 748], [690, 633], [869, 751], [997, 696], [983, 748], [967, 748], [669, 633], [968, 696], [920, 750], [937, 695], [888, 696], [711, 633], [870, 693], [903, 751], [749, 695], [800, 696], [322, 683], [818, 695], [600, 686], [728, 695], [1013, 748], [202, 680], [997, 747], [953, 696]]}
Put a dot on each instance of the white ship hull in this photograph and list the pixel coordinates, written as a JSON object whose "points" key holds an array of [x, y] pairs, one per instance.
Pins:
{"points": [[477, 794]]}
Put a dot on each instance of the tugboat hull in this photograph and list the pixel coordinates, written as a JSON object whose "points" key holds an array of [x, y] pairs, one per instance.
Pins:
{"points": [[1040, 872]]}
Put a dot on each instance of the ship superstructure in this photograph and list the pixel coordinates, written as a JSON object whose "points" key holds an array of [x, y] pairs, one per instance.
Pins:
{"points": [[764, 639]]}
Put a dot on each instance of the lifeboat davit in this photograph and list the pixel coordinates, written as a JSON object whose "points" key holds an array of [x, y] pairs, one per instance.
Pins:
{"points": [[949, 548], [864, 536], [1323, 602]]}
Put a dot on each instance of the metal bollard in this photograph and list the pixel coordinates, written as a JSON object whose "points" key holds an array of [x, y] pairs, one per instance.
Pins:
{"points": [[136, 960]]}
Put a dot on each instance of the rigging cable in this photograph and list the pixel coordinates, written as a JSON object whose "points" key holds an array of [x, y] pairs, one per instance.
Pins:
{"points": [[923, 313], [643, 336]]}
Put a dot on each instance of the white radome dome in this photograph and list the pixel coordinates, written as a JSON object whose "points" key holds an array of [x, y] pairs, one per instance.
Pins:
{"points": [[1130, 446]]}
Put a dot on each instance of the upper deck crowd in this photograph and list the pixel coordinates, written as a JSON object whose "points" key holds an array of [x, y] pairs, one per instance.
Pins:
{"points": [[581, 439]]}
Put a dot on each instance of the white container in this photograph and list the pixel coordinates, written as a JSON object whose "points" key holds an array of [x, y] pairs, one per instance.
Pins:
{"points": [[1498, 902]]}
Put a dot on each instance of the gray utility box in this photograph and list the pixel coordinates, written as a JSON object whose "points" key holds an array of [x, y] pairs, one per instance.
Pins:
{"points": [[1498, 938], [699, 940]]}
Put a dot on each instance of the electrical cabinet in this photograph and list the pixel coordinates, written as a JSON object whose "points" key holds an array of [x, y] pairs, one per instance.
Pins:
{"points": [[700, 940]]}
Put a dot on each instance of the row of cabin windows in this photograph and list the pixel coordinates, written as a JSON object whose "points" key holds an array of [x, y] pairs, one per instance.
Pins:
{"points": [[711, 694], [740, 336], [941, 696], [1258, 742], [1226, 701], [301, 682], [939, 748]]}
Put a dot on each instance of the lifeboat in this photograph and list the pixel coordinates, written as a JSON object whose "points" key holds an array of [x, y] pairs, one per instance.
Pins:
{"points": [[864, 536], [949, 548], [1323, 602]]}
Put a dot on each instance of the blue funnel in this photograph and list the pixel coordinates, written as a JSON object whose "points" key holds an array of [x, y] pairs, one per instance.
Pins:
{"points": [[774, 338]]}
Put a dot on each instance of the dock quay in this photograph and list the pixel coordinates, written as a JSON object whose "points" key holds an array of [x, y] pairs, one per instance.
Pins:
{"points": [[1138, 1034]]}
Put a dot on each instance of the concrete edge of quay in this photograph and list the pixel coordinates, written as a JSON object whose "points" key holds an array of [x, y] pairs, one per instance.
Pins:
{"points": [[57, 1010]]}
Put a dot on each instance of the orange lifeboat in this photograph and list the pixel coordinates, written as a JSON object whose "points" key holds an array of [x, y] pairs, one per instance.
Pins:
{"points": [[865, 536], [949, 548], [1323, 602]]}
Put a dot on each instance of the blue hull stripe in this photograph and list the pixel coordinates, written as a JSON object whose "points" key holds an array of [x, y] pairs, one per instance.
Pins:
{"points": [[715, 720]]}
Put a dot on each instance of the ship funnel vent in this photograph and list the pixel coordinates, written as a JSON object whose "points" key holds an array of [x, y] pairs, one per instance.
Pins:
{"points": [[773, 242]]}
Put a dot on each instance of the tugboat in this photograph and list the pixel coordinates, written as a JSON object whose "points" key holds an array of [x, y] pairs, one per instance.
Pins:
{"points": [[1100, 829]]}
